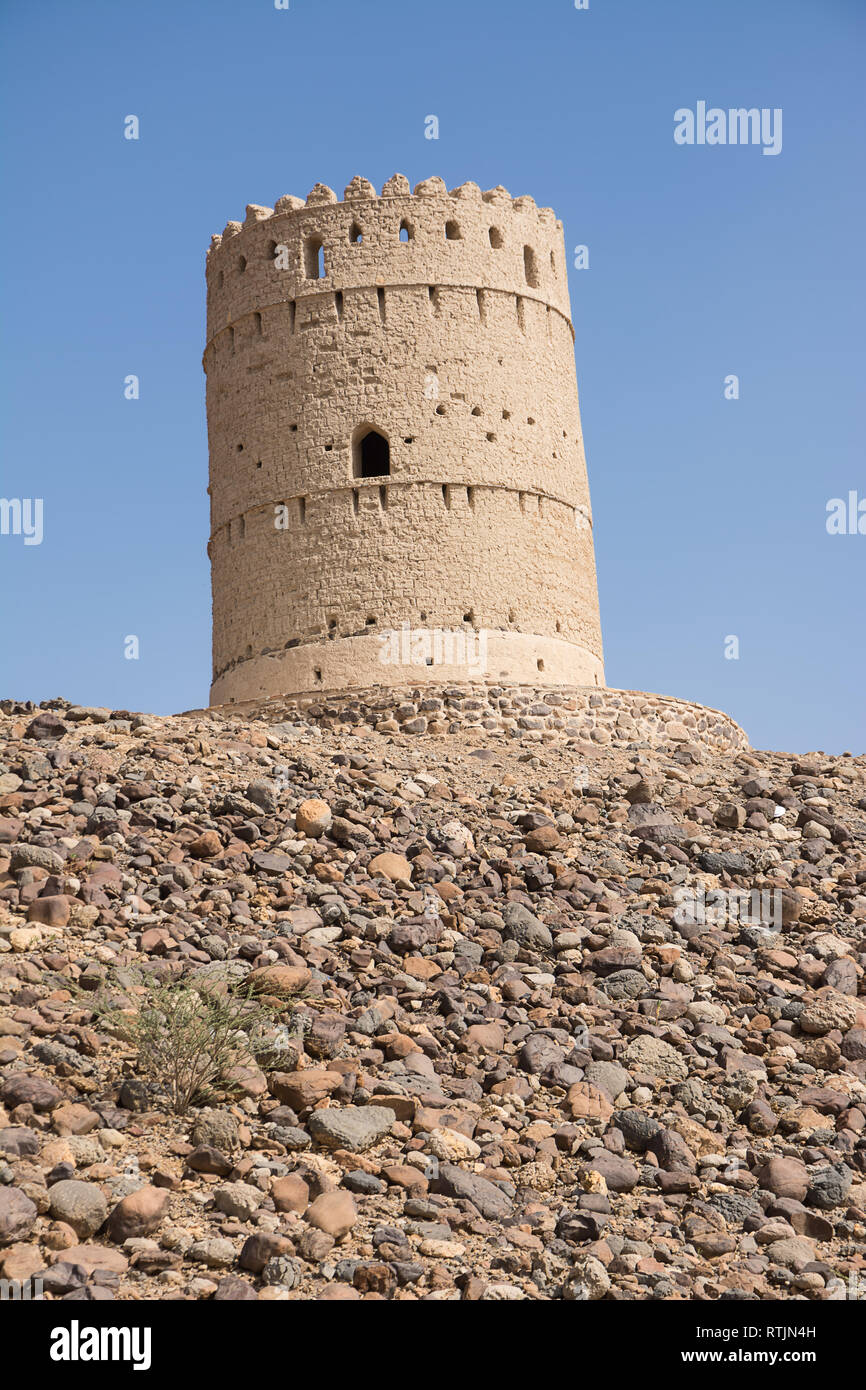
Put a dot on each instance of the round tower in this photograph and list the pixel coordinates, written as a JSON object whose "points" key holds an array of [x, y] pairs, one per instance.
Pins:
{"points": [[397, 477]]}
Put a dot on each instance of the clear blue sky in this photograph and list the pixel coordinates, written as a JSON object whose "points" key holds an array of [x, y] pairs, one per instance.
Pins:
{"points": [[704, 261]]}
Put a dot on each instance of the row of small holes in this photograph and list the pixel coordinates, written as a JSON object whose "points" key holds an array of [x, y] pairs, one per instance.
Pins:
{"points": [[314, 251]]}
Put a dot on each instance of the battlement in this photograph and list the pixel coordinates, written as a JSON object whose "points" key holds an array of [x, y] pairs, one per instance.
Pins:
{"points": [[361, 191], [430, 239]]}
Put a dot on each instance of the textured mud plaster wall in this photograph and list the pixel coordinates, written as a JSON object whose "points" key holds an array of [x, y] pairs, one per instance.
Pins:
{"points": [[441, 321]]}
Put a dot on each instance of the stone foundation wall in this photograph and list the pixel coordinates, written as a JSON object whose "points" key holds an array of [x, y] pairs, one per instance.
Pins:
{"points": [[537, 712]]}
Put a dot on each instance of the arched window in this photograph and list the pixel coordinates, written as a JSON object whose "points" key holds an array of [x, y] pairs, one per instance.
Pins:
{"points": [[314, 258], [356, 236], [371, 454], [407, 231]]}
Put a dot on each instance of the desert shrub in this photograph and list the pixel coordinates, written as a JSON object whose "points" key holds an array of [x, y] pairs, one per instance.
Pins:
{"points": [[188, 1041]]}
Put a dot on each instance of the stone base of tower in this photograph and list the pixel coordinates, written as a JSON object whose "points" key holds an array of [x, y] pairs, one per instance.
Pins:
{"points": [[529, 712], [407, 657]]}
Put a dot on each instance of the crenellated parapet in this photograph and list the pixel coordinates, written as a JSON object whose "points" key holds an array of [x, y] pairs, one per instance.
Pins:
{"points": [[428, 237]]}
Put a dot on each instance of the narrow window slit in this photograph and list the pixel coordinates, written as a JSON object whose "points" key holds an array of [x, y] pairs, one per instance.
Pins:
{"points": [[314, 258]]}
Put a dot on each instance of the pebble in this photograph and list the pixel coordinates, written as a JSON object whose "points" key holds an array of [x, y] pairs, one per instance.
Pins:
{"points": [[491, 1061]]}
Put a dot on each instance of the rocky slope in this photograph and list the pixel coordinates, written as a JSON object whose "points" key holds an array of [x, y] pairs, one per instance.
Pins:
{"points": [[509, 1060]]}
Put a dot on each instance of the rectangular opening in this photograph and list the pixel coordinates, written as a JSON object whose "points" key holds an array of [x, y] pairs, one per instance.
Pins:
{"points": [[314, 258]]}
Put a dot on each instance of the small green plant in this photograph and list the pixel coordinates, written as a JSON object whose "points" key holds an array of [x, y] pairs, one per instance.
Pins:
{"points": [[189, 1041]]}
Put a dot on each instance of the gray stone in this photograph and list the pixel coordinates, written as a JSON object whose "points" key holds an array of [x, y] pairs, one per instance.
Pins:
{"points": [[19, 1140], [490, 1200], [658, 1058], [619, 1174], [626, 984], [524, 927], [829, 1187], [238, 1199], [35, 856], [352, 1127], [216, 1129], [637, 1128], [725, 862], [609, 1076], [82, 1205], [17, 1215]]}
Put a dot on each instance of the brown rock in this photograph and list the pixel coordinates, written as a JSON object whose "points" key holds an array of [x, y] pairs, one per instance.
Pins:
{"points": [[155, 941], [405, 1176], [93, 1257], [21, 1262], [334, 1213], [786, 1177], [313, 818], [207, 846], [290, 1193], [544, 840], [261, 1247], [279, 980], [303, 1089], [23, 1088], [74, 1118], [17, 1214], [50, 911], [392, 866], [138, 1214], [484, 1037], [587, 1102]]}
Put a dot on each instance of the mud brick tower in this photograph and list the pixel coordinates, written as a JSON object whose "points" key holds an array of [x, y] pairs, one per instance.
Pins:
{"points": [[395, 439]]}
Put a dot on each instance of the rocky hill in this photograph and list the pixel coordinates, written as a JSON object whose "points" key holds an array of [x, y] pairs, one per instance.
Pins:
{"points": [[491, 1017]]}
